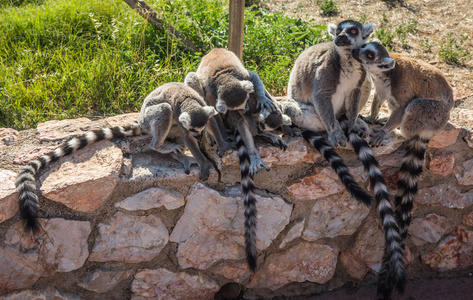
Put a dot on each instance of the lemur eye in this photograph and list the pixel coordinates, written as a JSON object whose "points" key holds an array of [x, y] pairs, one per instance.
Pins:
{"points": [[353, 31], [338, 31], [370, 54]]}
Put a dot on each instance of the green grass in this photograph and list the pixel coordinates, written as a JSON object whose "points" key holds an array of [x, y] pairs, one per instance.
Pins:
{"points": [[390, 36], [453, 51], [69, 58], [329, 7]]}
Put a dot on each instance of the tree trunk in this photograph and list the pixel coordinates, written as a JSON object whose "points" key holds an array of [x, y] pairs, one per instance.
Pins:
{"points": [[151, 16]]}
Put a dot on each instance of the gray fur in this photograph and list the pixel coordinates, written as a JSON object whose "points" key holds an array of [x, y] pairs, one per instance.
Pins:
{"points": [[176, 104], [327, 82]]}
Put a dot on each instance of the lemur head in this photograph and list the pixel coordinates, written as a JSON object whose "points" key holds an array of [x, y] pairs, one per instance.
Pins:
{"points": [[233, 94], [272, 120], [196, 120], [374, 58], [350, 33]]}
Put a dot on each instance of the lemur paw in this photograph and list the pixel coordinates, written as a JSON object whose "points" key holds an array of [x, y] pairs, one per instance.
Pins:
{"points": [[186, 161], [368, 119], [266, 103], [292, 131], [360, 128], [225, 147], [204, 172], [337, 138], [377, 137], [169, 148], [257, 164]]}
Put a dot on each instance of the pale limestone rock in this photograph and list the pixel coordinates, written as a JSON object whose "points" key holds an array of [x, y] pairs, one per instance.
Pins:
{"points": [[60, 247], [431, 228], [369, 245], [445, 195], [84, 180], [353, 264], [445, 137], [58, 130], [102, 281], [294, 232], [8, 195], [333, 216], [49, 293], [393, 159], [417, 242], [297, 151], [131, 239], [235, 271], [464, 174], [25, 157], [303, 262], [122, 120], [211, 228], [322, 183], [442, 164], [153, 198], [466, 115], [390, 144], [7, 137], [164, 284], [468, 219], [455, 251]]}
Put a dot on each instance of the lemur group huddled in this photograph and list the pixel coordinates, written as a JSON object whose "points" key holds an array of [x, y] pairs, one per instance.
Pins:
{"points": [[328, 85]]}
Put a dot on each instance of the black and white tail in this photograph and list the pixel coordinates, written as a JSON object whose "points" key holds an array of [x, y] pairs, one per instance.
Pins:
{"points": [[411, 169], [25, 182], [337, 164], [249, 201], [391, 274]]}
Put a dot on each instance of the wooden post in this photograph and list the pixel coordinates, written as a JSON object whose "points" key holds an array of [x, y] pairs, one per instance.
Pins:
{"points": [[235, 36]]}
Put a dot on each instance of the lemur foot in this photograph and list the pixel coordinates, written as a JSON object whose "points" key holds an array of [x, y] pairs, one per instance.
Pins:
{"points": [[225, 147], [292, 131], [204, 172], [360, 128], [377, 137], [278, 141], [186, 161], [337, 138], [267, 104], [257, 164], [169, 148]]}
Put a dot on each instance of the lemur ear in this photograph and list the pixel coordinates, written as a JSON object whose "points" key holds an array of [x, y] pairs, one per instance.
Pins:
{"points": [[388, 63], [210, 111], [367, 31], [185, 119], [247, 86], [332, 29], [376, 40], [221, 106], [286, 120]]}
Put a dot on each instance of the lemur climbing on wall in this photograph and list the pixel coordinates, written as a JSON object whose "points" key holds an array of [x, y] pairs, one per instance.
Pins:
{"points": [[171, 110], [326, 85], [420, 100]]}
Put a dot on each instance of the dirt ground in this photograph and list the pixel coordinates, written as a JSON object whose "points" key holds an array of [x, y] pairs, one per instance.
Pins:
{"points": [[436, 20]]}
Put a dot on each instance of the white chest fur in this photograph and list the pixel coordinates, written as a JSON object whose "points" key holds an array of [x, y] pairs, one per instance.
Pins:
{"points": [[348, 82], [383, 90]]}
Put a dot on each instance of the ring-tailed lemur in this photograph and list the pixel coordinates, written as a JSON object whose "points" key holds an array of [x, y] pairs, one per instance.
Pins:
{"points": [[420, 100], [170, 104], [325, 84], [224, 83]]}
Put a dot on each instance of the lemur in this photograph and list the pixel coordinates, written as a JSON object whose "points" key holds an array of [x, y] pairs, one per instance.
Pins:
{"points": [[420, 100], [171, 110], [240, 96], [325, 85]]}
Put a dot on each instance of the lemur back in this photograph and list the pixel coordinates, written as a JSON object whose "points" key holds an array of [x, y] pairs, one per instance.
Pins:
{"points": [[170, 103], [420, 100]]}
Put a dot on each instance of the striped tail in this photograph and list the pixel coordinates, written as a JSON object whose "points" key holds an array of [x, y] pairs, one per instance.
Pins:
{"points": [[411, 169], [337, 164], [25, 182], [249, 201], [392, 272]]}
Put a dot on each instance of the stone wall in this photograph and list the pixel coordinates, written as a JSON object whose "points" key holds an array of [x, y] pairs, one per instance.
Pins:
{"points": [[120, 222]]}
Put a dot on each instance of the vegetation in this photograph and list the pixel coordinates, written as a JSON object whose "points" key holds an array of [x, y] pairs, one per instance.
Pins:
{"points": [[328, 7], [388, 34], [453, 51], [70, 58]]}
